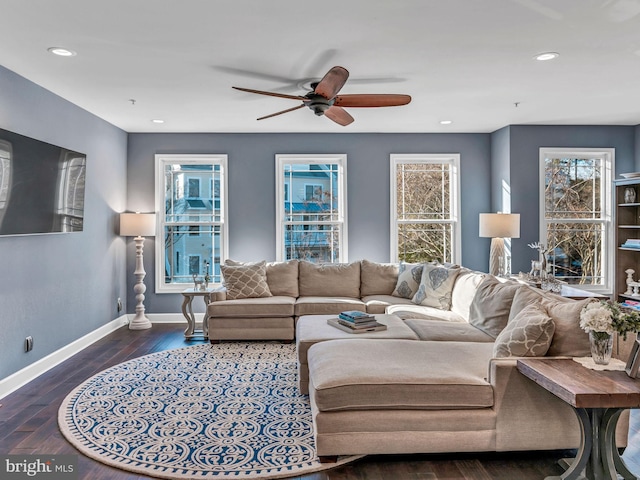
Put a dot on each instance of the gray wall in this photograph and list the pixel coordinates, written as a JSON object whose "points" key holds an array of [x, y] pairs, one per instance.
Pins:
{"points": [[252, 189], [59, 287]]}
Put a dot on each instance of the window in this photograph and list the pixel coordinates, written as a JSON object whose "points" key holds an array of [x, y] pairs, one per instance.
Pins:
{"points": [[576, 226], [191, 198], [425, 203], [311, 208]]}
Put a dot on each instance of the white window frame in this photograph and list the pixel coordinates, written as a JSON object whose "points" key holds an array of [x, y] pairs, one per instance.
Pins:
{"points": [[161, 160], [452, 159], [606, 198], [305, 159]]}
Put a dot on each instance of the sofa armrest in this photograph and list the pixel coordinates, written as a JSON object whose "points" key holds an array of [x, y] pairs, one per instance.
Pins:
{"points": [[518, 400], [219, 294]]}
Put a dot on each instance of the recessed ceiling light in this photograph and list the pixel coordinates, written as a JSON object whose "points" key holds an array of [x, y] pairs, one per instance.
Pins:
{"points": [[61, 51], [157, 120], [445, 122], [546, 56]]}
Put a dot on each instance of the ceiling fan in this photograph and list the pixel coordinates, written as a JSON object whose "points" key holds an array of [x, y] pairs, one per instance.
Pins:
{"points": [[324, 98]]}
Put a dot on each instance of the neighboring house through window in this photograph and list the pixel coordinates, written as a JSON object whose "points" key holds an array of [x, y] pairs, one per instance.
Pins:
{"points": [[425, 207], [311, 208], [576, 215], [191, 198]]}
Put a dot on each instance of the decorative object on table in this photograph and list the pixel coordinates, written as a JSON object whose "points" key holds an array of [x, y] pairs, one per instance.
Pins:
{"points": [[499, 226], [552, 284], [629, 195], [198, 285], [207, 277], [138, 225], [539, 266], [633, 363], [227, 411], [601, 319]]}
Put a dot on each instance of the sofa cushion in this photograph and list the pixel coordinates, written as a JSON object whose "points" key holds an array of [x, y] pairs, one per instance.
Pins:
{"points": [[245, 281], [464, 289], [491, 305], [568, 339], [379, 303], [528, 334], [329, 279], [436, 285], [439, 331], [428, 313], [377, 278], [282, 277], [409, 275], [393, 374], [253, 307], [327, 305]]}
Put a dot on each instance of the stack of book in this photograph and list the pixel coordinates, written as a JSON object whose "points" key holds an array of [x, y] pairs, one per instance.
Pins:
{"points": [[632, 243], [356, 322]]}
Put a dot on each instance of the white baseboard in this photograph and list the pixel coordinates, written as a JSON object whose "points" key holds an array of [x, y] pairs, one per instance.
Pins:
{"points": [[22, 377]]}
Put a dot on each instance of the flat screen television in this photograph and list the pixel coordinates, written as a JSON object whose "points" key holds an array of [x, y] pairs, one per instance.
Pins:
{"points": [[41, 186]]}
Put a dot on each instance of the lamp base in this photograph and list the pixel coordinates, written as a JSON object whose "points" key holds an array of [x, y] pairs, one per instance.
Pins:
{"points": [[496, 257], [139, 322]]}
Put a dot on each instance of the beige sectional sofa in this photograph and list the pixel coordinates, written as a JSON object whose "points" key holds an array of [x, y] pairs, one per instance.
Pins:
{"points": [[455, 388]]}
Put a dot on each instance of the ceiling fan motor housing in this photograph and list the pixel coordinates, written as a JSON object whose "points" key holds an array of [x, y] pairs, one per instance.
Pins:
{"points": [[318, 103]]}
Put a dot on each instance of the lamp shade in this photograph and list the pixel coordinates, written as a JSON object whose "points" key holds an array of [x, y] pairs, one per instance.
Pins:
{"points": [[138, 224], [500, 225]]}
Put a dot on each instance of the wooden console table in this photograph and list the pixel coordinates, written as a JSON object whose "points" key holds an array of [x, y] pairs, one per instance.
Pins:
{"points": [[598, 398]]}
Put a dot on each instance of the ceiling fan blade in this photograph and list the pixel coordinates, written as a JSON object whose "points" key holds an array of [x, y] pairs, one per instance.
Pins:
{"points": [[338, 115], [272, 94], [255, 74], [372, 100], [332, 82], [283, 111]]}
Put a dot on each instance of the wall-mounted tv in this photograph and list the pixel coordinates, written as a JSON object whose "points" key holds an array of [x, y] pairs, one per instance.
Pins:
{"points": [[41, 186]]}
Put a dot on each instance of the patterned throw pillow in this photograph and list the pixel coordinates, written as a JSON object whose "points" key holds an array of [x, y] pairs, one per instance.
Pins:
{"points": [[436, 285], [245, 281], [409, 275], [528, 334]]}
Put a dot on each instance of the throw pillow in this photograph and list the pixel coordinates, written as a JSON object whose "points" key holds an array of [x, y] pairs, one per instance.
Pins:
{"points": [[409, 275], [282, 277], [491, 305], [436, 285], [245, 281], [529, 334], [377, 278], [569, 339]]}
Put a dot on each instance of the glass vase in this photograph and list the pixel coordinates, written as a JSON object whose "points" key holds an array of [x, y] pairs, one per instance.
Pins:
{"points": [[601, 347]]}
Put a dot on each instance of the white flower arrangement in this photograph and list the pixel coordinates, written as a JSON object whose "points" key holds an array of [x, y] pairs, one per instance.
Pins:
{"points": [[597, 317], [606, 317]]}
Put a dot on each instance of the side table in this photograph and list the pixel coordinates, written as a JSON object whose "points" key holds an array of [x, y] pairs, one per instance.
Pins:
{"points": [[187, 310], [598, 398]]}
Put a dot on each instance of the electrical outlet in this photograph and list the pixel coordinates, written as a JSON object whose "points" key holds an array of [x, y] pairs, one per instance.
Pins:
{"points": [[119, 304], [28, 344]]}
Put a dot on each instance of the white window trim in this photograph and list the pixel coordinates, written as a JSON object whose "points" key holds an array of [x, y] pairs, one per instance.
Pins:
{"points": [[341, 160], [609, 156], [452, 159], [160, 161]]}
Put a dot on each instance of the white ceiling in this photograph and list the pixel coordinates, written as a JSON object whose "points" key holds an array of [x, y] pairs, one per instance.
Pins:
{"points": [[469, 61]]}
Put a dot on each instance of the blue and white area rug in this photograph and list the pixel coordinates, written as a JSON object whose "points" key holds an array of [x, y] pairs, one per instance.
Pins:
{"points": [[231, 410]]}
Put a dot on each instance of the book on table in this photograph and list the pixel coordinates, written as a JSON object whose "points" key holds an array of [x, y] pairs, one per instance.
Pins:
{"points": [[334, 322], [355, 316]]}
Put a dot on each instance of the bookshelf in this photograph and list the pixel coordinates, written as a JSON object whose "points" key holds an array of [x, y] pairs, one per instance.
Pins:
{"points": [[627, 226]]}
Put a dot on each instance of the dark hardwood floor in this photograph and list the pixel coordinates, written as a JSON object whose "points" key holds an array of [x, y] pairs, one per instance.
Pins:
{"points": [[28, 424]]}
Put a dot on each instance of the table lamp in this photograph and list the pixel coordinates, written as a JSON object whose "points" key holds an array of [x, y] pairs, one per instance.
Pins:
{"points": [[138, 225], [499, 226]]}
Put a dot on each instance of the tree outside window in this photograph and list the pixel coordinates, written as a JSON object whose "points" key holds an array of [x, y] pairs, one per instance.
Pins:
{"points": [[576, 215], [425, 224]]}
